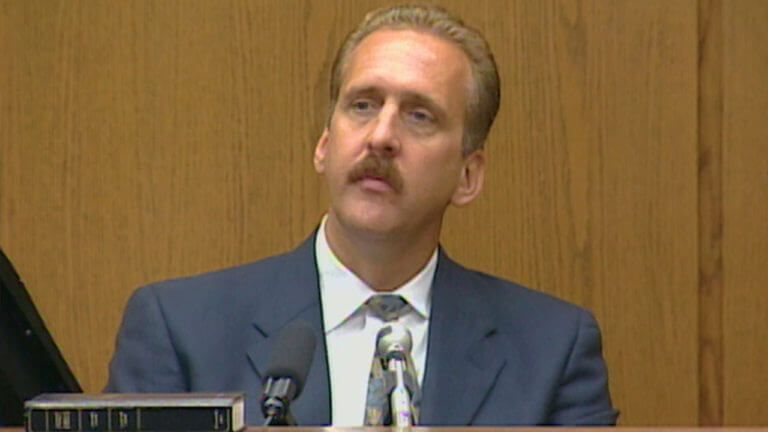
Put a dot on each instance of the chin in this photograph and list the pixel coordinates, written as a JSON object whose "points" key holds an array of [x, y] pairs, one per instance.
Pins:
{"points": [[372, 220]]}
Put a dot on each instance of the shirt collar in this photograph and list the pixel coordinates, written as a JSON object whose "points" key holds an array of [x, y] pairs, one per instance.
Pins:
{"points": [[342, 292]]}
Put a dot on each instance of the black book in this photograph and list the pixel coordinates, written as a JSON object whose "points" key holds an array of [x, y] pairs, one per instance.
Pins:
{"points": [[139, 412]]}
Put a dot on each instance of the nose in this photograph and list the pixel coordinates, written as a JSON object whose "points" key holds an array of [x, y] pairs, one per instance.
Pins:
{"points": [[384, 137]]}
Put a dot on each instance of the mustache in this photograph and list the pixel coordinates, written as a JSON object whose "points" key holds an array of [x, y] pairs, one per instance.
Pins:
{"points": [[374, 165]]}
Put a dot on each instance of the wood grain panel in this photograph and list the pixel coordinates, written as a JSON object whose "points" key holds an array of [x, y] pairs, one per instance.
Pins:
{"points": [[710, 203], [591, 193], [149, 139], [745, 211]]}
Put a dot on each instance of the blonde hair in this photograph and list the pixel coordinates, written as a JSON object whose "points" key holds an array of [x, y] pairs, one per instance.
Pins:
{"points": [[484, 93]]}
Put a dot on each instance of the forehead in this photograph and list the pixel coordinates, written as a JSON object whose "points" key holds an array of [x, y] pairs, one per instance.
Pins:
{"points": [[409, 61]]}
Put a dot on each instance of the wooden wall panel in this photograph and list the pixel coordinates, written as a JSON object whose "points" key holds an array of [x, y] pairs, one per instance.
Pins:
{"points": [[147, 140], [745, 212], [592, 189], [150, 139], [710, 209]]}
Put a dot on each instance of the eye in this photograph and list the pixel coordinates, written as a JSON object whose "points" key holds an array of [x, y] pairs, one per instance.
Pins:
{"points": [[362, 105], [420, 116]]}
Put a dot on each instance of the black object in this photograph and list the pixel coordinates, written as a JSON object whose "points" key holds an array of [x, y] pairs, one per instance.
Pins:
{"points": [[288, 367], [30, 362]]}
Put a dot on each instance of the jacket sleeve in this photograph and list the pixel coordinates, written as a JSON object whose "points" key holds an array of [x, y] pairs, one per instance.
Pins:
{"points": [[145, 359], [583, 397]]}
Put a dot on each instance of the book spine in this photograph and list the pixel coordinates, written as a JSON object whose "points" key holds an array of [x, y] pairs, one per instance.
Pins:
{"points": [[130, 419]]}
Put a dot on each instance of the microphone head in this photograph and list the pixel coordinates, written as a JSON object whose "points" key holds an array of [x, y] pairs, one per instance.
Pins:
{"points": [[292, 354], [393, 340]]}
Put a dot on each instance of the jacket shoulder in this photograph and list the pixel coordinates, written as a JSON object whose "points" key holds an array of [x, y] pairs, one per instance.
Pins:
{"points": [[509, 299], [226, 291]]}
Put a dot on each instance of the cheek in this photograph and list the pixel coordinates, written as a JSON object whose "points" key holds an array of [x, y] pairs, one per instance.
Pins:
{"points": [[336, 161], [437, 175], [344, 148]]}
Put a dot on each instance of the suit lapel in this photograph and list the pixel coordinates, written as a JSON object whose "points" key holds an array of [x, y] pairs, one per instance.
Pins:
{"points": [[462, 363], [294, 295]]}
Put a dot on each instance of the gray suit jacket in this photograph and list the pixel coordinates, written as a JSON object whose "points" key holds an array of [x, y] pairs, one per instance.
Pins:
{"points": [[498, 353]]}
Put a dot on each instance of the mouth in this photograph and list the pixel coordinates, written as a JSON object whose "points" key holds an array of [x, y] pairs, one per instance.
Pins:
{"points": [[374, 176], [375, 183]]}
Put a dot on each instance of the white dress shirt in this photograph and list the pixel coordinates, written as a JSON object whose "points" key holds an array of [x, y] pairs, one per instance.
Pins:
{"points": [[350, 328]]}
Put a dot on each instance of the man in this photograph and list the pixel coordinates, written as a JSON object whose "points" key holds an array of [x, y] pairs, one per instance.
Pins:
{"points": [[413, 95]]}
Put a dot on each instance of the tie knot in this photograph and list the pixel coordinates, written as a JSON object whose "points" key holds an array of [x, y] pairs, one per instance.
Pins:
{"points": [[388, 307]]}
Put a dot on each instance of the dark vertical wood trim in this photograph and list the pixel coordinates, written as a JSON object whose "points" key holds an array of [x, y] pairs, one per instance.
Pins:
{"points": [[710, 211]]}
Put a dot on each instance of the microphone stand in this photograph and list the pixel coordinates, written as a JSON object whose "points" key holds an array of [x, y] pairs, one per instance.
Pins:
{"points": [[393, 345], [284, 420], [400, 397]]}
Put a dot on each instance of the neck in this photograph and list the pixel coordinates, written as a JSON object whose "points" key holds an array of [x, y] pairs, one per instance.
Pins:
{"points": [[383, 261]]}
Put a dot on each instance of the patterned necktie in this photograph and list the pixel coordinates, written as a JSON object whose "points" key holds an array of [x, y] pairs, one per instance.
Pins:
{"points": [[388, 307]]}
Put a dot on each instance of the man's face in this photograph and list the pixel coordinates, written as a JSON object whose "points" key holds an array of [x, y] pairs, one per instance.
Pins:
{"points": [[392, 152]]}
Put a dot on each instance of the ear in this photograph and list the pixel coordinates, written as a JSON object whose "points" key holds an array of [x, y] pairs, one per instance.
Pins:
{"points": [[471, 180], [320, 149]]}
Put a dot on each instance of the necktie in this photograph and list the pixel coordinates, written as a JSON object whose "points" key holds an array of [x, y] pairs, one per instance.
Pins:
{"points": [[388, 307]]}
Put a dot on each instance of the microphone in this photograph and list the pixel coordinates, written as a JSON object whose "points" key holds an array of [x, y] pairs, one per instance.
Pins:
{"points": [[288, 368], [393, 341], [393, 345]]}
